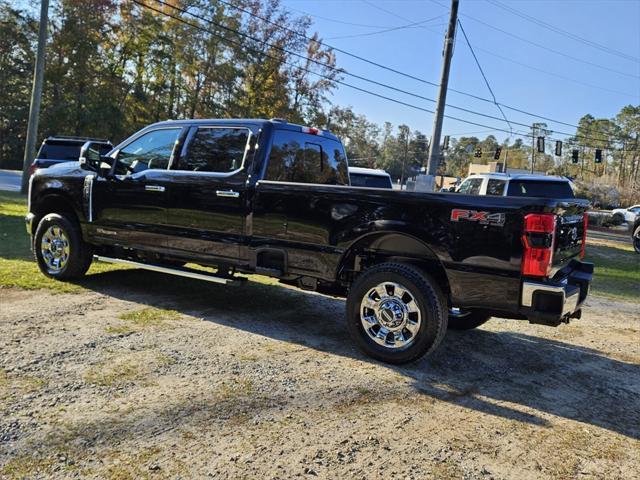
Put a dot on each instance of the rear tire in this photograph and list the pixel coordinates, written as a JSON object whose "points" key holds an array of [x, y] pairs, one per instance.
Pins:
{"points": [[406, 320], [59, 249], [468, 322]]}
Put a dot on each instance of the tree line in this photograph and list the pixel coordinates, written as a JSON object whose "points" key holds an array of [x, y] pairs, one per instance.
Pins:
{"points": [[114, 66]]}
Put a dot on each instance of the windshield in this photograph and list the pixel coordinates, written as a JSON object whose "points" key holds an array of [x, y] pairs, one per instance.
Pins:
{"points": [[370, 181], [537, 188]]}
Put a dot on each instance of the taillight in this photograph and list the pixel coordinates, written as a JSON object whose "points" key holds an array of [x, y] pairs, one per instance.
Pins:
{"points": [[585, 223], [537, 239], [32, 168]]}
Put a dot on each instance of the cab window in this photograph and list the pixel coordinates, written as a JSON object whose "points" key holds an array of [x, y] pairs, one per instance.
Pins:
{"points": [[495, 187], [151, 150], [303, 158], [471, 186], [216, 149]]}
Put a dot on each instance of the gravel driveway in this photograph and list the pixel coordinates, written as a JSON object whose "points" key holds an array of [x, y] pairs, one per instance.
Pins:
{"points": [[146, 376]]}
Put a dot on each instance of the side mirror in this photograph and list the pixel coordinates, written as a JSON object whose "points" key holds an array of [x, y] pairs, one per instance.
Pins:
{"points": [[91, 159]]}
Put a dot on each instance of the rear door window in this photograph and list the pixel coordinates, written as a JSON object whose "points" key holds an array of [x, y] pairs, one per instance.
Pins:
{"points": [[495, 187], [538, 188], [216, 149], [303, 158]]}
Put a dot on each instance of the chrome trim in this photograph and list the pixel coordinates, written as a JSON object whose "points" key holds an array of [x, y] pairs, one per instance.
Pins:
{"points": [[154, 188], [171, 271], [227, 193], [29, 193], [569, 304], [28, 220], [88, 194]]}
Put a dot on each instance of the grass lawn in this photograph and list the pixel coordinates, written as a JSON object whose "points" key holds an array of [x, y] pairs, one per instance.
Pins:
{"points": [[617, 266]]}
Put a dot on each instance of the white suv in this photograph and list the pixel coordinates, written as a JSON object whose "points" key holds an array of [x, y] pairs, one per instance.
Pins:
{"points": [[520, 185]]}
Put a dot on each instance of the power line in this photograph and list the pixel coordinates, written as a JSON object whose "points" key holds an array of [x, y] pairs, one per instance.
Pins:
{"points": [[548, 49], [386, 30], [227, 40], [398, 72], [464, 34], [566, 33], [551, 50], [327, 66]]}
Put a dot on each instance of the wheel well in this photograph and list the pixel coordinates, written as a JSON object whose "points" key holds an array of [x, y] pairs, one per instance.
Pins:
{"points": [[52, 203], [398, 247]]}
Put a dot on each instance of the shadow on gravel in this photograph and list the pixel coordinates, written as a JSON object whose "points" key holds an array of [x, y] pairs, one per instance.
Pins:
{"points": [[497, 373]]}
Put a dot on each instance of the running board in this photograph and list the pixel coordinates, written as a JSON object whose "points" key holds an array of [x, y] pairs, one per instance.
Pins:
{"points": [[182, 272]]}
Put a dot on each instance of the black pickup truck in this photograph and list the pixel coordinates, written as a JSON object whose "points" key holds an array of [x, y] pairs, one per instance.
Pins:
{"points": [[273, 198]]}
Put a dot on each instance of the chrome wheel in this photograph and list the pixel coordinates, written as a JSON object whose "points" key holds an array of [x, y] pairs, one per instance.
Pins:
{"points": [[54, 248], [390, 315]]}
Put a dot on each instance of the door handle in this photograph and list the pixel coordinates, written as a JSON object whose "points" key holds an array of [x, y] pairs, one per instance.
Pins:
{"points": [[154, 188], [227, 193]]}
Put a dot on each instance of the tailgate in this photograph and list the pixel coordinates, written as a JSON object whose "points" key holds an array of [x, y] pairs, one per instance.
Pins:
{"points": [[570, 231]]}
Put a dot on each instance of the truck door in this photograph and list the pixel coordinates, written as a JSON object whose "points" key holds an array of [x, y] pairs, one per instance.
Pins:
{"points": [[130, 207], [208, 192]]}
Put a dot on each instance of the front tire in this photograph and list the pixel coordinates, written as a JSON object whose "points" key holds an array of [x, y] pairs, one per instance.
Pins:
{"points": [[636, 240], [396, 313], [59, 249]]}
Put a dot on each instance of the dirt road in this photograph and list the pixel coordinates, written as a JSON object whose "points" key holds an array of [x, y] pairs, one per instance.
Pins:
{"points": [[148, 376]]}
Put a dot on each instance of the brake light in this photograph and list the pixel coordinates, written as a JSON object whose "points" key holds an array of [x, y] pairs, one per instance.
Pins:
{"points": [[311, 130], [585, 223], [537, 239]]}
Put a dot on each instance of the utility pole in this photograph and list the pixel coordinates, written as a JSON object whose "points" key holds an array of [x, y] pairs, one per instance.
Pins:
{"points": [[36, 96], [434, 146], [404, 160], [533, 147]]}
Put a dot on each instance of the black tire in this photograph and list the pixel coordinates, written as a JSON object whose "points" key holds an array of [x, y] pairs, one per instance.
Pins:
{"points": [[636, 240], [80, 254], [467, 322], [422, 289]]}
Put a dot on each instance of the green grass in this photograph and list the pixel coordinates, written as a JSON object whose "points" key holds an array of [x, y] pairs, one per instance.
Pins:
{"points": [[139, 320], [617, 271], [617, 266]]}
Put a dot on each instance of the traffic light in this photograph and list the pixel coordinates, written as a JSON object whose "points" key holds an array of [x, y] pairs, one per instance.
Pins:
{"points": [[574, 156], [496, 156], [558, 148], [598, 155], [445, 143], [540, 144], [478, 152]]}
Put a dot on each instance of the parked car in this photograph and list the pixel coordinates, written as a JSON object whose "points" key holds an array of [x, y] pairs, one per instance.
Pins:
{"points": [[273, 198], [621, 215], [518, 185], [369, 177], [60, 149]]}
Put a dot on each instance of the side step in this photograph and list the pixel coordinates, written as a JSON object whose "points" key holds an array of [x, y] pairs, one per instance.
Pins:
{"points": [[179, 271]]}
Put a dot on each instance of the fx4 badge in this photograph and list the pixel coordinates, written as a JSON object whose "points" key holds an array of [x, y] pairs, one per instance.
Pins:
{"points": [[483, 218]]}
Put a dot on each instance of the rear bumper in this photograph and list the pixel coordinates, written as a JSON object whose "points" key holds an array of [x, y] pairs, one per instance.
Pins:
{"points": [[552, 302]]}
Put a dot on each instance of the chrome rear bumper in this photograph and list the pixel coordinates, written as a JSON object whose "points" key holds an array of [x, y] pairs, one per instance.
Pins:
{"points": [[553, 302]]}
